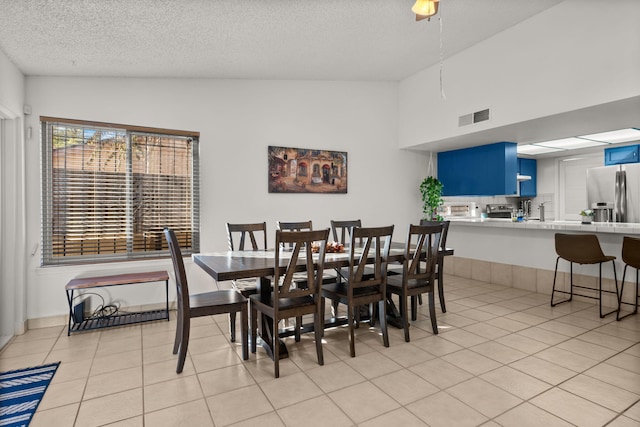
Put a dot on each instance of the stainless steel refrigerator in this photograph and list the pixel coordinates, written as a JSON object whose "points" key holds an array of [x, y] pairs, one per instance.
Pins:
{"points": [[619, 185]]}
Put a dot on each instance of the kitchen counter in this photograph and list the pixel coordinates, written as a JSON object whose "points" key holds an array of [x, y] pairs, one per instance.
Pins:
{"points": [[522, 254], [570, 226]]}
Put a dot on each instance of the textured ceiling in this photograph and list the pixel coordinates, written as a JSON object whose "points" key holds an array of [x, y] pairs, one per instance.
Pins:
{"points": [[367, 40]]}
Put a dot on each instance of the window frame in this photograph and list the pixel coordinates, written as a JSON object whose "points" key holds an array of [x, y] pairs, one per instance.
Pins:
{"points": [[131, 253]]}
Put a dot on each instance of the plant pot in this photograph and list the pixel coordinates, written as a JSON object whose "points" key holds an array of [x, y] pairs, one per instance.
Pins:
{"points": [[587, 219]]}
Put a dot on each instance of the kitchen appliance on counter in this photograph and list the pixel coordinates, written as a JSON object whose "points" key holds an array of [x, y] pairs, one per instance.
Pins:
{"points": [[458, 209], [499, 210], [602, 212], [619, 186]]}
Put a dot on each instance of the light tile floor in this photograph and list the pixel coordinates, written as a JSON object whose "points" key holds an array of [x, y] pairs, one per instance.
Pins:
{"points": [[503, 357]]}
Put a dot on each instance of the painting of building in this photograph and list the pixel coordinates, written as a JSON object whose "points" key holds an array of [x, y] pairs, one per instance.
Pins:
{"points": [[302, 170]]}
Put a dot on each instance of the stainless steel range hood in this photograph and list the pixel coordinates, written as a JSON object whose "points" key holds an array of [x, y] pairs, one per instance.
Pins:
{"points": [[519, 179]]}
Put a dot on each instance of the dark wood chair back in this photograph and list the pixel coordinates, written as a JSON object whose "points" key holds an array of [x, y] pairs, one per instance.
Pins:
{"points": [[182, 288], [226, 301], [342, 230], [286, 266], [295, 226], [421, 254], [257, 232], [440, 268], [373, 253], [445, 230], [367, 278]]}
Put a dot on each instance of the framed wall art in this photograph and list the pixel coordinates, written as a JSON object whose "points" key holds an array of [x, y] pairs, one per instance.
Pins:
{"points": [[301, 170]]}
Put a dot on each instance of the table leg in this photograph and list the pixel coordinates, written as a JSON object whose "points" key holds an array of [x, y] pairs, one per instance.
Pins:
{"points": [[393, 314]]}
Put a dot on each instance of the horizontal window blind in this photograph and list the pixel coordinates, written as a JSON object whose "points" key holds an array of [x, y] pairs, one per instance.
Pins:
{"points": [[109, 192]]}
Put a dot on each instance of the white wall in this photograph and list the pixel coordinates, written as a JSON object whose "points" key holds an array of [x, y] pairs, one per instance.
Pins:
{"points": [[12, 226], [577, 54], [237, 120], [11, 88]]}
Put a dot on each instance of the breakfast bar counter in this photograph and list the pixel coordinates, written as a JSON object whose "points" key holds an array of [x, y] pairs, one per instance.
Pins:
{"points": [[522, 254], [558, 226]]}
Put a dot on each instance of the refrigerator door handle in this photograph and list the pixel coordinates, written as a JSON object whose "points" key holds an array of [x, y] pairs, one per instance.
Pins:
{"points": [[621, 196]]}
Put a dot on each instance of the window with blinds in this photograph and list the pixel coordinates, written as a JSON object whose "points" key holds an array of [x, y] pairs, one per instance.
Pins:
{"points": [[109, 191]]}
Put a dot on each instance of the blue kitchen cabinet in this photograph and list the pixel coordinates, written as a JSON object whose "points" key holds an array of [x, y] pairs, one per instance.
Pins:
{"points": [[486, 170], [528, 167], [621, 155]]}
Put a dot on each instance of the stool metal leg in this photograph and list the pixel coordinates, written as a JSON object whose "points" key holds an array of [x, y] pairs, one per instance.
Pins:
{"points": [[553, 291], [615, 278], [620, 302]]}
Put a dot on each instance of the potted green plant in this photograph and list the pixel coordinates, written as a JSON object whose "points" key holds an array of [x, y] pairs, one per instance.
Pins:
{"points": [[431, 189], [587, 216]]}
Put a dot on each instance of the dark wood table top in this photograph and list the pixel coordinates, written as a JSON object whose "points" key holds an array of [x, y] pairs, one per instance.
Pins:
{"points": [[233, 265]]}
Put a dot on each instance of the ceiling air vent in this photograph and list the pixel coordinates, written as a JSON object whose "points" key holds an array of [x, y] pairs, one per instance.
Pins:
{"points": [[478, 116]]}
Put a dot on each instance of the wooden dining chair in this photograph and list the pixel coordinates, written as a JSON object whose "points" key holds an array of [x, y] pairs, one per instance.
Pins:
{"points": [[440, 266], [360, 288], [204, 304], [287, 299], [251, 236], [301, 278], [418, 273]]}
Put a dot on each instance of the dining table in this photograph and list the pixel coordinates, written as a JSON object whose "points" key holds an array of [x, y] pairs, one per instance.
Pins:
{"points": [[260, 264]]}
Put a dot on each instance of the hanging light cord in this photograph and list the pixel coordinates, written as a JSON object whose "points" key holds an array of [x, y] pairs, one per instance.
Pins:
{"points": [[442, 94], [430, 165]]}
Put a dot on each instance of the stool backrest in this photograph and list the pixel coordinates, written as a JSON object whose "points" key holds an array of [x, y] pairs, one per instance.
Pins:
{"points": [[631, 251], [579, 248]]}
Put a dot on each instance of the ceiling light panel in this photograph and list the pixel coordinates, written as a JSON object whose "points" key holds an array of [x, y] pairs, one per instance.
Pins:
{"points": [[615, 136], [570, 143], [535, 149]]}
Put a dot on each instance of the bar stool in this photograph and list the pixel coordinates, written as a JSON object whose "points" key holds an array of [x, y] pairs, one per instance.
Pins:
{"points": [[630, 257], [582, 249]]}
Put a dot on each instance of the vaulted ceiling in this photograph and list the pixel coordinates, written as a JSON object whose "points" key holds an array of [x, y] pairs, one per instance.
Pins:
{"points": [[365, 40]]}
